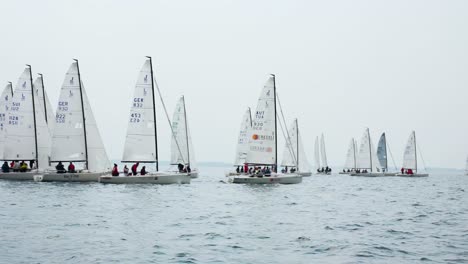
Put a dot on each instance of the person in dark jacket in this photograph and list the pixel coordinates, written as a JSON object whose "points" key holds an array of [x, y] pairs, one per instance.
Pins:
{"points": [[5, 167], [143, 171], [60, 168]]}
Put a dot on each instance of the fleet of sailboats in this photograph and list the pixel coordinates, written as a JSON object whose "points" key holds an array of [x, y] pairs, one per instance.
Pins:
{"points": [[31, 132]]}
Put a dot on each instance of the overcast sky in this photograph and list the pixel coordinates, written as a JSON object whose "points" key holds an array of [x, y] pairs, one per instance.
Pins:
{"points": [[341, 66]]}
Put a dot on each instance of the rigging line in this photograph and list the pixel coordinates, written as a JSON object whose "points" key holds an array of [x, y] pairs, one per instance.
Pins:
{"points": [[284, 135], [168, 119], [288, 140], [420, 154], [391, 155]]}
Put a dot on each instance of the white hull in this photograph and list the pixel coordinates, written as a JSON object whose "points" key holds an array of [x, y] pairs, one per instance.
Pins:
{"points": [[323, 173], [18, 176], [344, 172], [304, 174], [162, 178], [69, 177], [374, 174], [412, 175], [273, 179]]}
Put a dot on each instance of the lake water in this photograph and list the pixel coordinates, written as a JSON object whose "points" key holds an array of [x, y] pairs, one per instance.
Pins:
{"points": [[326, 219]]}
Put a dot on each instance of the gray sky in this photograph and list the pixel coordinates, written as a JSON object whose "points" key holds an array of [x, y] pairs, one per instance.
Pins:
{"points": [[341, 66]]}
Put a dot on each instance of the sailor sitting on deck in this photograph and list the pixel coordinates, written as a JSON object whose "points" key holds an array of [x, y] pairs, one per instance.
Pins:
{"points": [[125, 170], [143, 171], [180, 166], [115, 170], [60, 168], [71, 168], [5, 167], [237, 169], [135, 168], [23, 167], [16, 166]]}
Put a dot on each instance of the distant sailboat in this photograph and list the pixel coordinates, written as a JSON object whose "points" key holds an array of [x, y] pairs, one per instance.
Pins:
{"points": [[141, 145], [181, 141], [382, 155], [242, 144], [367, 161], [410, 159], [321, 162], [350, 164], [5, 98], [294, 156], [76, 137], [263, 142]]}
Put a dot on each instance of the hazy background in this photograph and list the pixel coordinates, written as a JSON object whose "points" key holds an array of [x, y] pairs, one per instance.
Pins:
{"points": [[341, 66]]}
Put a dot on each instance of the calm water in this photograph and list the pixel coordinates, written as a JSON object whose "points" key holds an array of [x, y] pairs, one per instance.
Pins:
{"points": [[326, 219]]}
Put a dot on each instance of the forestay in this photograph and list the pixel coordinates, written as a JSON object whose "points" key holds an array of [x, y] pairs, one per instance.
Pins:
{"points": [[20, 142], [409, 157], [243, 139], [181, 150], [4, 108], [140, 139], [262, 147]]}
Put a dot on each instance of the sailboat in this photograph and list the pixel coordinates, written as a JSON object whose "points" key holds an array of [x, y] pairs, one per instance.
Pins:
{"points": [[382, 155], [350, 164], [367, 161], [294, 155], [26, 133], [242, 144], [141, 143], [321, 155], [181, 141], [410, 159], [76, 137], [263, 143], [5, 98]]}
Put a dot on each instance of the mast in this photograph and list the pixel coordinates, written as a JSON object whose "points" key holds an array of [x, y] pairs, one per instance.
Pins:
{"points": [[186, 133], [43, 95], [83, 113], [34, 113], [11, 88], [415, 154], [370, 149], [276, 129], [154, 115], [297, 146]]}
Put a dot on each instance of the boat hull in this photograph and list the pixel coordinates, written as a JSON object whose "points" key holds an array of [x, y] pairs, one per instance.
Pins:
{"points": [[304, 174], [323, 173], [416, 175], [147, 179], [274, 179], [374, 174], [18, 176], [69, 177]]}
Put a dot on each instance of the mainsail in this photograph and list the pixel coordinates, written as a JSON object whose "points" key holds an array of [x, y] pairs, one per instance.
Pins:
{"points": [[351, 156], [382, 152], [317, 153], [4, 109], [68, 140], [262, 147], [409, 157], [181, 143], [20, 138], [323, 152], [364, 155], [44, 103], [140, 142], [292, 157], [43, 133], [243, 139]]}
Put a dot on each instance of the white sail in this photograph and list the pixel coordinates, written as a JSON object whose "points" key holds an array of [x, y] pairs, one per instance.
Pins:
{"points": [[181, 150], [409, 156], [47, 109], [4, 107], [291, 157], [382, 152], [323, 152], [317, 153], [351, 156], [364, 155], [68, 143], [243, 139], [43, 133], [140, 141], [262, 146], [20, 141]]}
